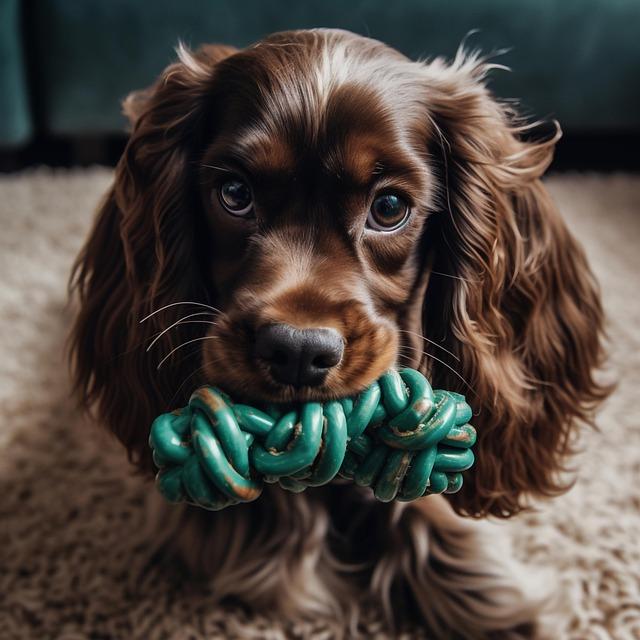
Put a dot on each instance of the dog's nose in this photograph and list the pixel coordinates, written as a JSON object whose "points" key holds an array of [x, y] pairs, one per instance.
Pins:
{"points": [[300, 357]]}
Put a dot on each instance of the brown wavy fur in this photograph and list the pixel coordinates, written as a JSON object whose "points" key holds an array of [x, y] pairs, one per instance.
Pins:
{"points": [[522, 309], [498, 280]]}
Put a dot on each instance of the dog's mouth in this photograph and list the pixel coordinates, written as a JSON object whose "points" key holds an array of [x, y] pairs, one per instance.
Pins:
{"points": [[257, 385], [288, 395], [282, 364]]}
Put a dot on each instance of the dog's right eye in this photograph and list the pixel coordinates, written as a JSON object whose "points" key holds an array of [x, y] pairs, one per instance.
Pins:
{"points": [[388, 212], [236, 197]]}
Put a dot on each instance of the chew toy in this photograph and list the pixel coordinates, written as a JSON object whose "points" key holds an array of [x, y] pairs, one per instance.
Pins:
{"points": [[398, 436]]}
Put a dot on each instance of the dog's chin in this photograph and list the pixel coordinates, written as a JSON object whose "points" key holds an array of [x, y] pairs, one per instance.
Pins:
{"points": [[287, 394], [257, 388], [265, 391]]}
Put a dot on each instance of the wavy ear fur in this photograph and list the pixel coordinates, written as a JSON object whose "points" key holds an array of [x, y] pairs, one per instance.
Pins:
{"points": [[523, 312], [142, 255]]}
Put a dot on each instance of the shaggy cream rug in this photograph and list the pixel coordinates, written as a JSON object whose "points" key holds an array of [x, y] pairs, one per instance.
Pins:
{"points": [[74, 557]]}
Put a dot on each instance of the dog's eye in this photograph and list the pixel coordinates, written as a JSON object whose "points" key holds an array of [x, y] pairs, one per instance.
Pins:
{"points": [[236, 197], [388, 212]]}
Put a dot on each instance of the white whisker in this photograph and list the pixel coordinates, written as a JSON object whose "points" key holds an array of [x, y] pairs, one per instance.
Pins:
{"points": [[214, 324], [184, 344], [448, 275], [193, 373], [213, 166], [173, 304], [429, 355], [176, 323], [435, 344]]}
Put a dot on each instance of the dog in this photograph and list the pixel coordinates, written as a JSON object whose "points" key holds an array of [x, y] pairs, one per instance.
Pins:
{"points": [[291, 220]]}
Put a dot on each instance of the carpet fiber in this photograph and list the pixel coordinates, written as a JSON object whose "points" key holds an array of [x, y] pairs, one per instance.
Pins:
{"points": [[74, 555]]}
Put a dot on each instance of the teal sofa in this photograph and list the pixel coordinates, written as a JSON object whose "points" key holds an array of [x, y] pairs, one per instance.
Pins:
{"points": [[66, 64]]}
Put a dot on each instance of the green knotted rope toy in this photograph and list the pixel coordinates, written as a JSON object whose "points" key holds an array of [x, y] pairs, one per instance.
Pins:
{"points": [[398, 436]]}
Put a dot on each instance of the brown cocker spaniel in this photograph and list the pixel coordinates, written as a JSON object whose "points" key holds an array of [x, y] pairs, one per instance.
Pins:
{"points": [[294, 218]]}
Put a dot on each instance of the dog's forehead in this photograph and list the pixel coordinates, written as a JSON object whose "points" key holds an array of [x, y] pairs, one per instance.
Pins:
{"points": [[325, 99], [344, 145]]}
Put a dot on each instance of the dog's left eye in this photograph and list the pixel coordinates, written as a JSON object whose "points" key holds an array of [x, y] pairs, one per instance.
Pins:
{"points": [[236, 197], [388, 212]]}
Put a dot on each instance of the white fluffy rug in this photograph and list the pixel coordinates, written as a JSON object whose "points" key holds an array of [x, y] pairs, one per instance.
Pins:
{"points": [[74, 562]]}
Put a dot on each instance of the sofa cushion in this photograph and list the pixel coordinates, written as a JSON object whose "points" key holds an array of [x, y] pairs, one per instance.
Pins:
{"points": [[15, 117], [576, 60]]}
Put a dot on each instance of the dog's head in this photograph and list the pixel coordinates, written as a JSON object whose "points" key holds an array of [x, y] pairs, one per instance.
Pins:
{"points": [[292, 219]]}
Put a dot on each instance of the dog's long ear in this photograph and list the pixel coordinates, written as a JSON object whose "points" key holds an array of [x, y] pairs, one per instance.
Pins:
{"points": [[141, 255], [520, 309], [201, 61]]}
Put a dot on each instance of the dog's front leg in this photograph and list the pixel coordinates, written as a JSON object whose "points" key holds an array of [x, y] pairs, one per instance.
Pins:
{"points": [[461, 574]]}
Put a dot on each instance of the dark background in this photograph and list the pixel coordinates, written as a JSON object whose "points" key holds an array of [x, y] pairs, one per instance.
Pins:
{"points": [[65, 65]]}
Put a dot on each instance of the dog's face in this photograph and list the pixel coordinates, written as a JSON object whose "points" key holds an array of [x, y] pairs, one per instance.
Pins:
{"points": [[337, 209], [316, 210]]}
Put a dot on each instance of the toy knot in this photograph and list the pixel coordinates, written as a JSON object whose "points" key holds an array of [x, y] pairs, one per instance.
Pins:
{"points": [[398, 436]]}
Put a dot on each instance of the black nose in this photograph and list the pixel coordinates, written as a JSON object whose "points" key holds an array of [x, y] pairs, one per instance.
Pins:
{"points": [[300, 357]]}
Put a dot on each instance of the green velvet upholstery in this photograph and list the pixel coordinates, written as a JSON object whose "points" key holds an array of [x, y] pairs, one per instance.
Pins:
{"points": [[15, 114], [577, 60]]}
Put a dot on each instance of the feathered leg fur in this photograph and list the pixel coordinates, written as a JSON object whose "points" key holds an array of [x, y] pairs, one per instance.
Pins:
{"points": [[327, 553]]}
